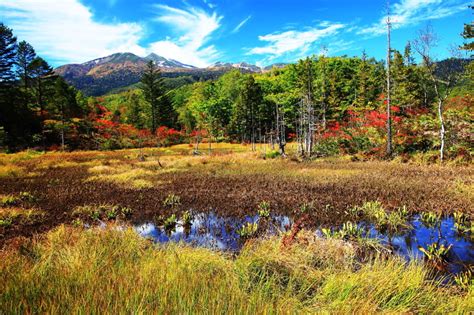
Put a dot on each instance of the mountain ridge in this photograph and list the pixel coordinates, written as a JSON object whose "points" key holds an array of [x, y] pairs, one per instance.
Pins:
{"points": [[102, 75]]}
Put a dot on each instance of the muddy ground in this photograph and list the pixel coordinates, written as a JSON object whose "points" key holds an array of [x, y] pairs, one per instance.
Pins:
{"points": [[213, 184]]}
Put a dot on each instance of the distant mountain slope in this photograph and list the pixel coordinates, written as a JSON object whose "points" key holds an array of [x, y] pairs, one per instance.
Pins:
{"points": [[102, 75]]}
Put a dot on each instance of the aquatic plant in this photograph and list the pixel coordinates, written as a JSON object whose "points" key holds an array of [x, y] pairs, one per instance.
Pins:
{"points": [[436, 252], [112, 213], [170, 222], [264, 209], [187, 218], [350, 230], [430, 219], [248, 230], [172, 201]]}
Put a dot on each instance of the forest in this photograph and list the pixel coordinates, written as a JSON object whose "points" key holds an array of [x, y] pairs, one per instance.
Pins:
{"points": [[332, 105]]}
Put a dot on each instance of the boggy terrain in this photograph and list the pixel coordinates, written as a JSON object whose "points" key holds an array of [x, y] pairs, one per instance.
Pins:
{"points": [[41, 191]]}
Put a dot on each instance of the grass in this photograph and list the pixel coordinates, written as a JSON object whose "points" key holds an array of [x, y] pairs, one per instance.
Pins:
{"points": [[123, 175], [72, 270], [19, 216], [103, 211]]}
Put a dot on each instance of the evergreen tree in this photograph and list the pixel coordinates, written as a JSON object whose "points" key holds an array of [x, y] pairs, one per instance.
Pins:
{"points": [[24, 59], [134, 113], [8, 48], [246, 107], [152, 87], [468, 34], [43, 80]]}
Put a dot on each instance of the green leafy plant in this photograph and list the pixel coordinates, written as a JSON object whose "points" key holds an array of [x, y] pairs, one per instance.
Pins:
{"points": [[187, 218], [170, 222], [112, 213], [77, 222], [172, 201], [350, 230], [248, 230], [95, 214], [264, 209], [430, 219], [436, 252]]}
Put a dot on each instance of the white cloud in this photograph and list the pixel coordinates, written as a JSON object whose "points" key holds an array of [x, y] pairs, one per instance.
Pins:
{"points": [[239, 26], [193, 28], [296, 42], [64, 31], [412, 12]]}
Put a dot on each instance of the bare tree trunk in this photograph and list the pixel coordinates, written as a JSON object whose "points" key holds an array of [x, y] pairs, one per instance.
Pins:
{"points": [[389, 112], [442, 129]]}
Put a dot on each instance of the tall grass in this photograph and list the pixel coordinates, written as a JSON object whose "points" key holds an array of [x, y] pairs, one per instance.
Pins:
{"points": [[116, 271]]}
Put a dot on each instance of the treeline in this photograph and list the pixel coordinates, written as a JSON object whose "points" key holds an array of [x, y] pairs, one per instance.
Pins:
{"points": [[346, 97], [329, 105], [37, 107]]}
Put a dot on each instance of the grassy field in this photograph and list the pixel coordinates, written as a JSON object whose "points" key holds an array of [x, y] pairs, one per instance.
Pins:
{"points": [[50, 266], [115, 271]]}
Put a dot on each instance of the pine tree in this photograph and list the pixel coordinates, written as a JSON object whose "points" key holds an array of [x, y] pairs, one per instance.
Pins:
{"points": [[43, 79], [152, 87], [468, 34], [24, 58], [8, 48]]}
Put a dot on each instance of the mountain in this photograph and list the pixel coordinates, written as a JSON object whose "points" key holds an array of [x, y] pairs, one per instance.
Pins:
{"points": [[162, 62], [245, 67], [103, 75]]}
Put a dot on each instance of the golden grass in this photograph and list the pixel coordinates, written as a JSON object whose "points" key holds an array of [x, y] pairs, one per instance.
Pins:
{"points": [[16, 215], [110, 270], [123, 175]]}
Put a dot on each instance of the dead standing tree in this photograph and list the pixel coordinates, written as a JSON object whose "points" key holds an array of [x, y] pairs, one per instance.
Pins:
{"points": [[280, 129], [389, 57], [307, 117], [443, 76]]}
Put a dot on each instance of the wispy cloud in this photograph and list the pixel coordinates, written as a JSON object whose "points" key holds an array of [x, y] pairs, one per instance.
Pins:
{"points": [[64, 31], [193, 28], [412, 12], [298, 43], [239, 26]]}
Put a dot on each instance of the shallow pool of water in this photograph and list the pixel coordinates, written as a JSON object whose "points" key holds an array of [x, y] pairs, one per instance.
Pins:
{"points": [[212, 231]]}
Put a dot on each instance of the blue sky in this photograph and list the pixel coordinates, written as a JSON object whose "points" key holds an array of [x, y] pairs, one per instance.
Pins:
{"points": [[201, 32]]}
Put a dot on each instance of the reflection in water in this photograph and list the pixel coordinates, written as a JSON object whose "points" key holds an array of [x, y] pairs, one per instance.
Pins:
{"points": [[215, 232]]}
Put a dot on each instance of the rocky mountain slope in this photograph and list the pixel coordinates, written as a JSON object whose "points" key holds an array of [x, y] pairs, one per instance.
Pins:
{"points": [[102, 75]]}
